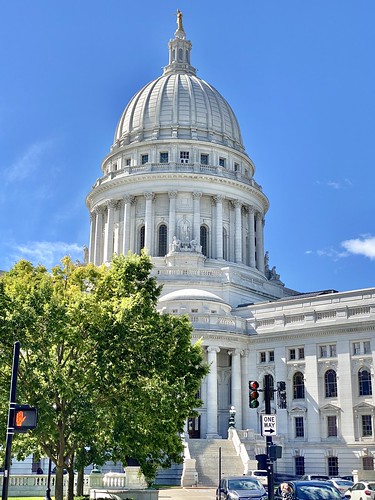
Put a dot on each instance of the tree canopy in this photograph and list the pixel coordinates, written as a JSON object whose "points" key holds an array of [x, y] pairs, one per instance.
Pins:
{"points": [[107, 372]]}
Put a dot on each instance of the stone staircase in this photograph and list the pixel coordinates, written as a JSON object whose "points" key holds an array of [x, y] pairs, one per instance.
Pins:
{"points": [[206, 454]]}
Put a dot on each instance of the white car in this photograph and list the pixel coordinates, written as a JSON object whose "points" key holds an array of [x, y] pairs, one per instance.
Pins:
{"points": [[341, 484], [363, 490], [261, 475]]}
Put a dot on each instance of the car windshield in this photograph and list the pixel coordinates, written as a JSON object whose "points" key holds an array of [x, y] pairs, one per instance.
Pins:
{"points": [[311, 492], [343, 482], [243, 484]]}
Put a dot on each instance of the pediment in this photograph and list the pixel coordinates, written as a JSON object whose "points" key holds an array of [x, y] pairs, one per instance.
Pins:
{"points": [[330, 408], [364, 407]]}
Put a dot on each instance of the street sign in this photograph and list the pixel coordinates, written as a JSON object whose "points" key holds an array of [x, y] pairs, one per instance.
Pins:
{"points": [[269, 425]]}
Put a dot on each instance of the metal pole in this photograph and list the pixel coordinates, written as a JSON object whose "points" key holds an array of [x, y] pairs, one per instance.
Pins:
{"points": [[267, 407], [48, 491], [219, 482], [10, 428]]}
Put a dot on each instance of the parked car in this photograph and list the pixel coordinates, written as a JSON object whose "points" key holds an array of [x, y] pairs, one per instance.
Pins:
{"points": [[261, 475], [363, 490], [314, 477], [237, 487], [341, 484], [301, 490]]}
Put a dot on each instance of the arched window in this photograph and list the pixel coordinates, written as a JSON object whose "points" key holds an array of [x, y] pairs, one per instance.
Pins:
{"points": [[141, 239], [330, 383], [298, 386], [364, 382], [204, 240], [162, 240], [180, 53]]}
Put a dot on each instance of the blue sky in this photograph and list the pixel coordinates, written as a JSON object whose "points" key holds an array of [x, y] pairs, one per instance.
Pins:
{"points": [[299, 74]]}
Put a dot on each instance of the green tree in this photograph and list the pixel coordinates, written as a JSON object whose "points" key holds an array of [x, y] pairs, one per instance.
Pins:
{"points": [[106, 371]]}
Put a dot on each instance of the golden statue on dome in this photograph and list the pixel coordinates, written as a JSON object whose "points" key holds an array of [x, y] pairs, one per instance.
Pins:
{"points": [[179, 21]]}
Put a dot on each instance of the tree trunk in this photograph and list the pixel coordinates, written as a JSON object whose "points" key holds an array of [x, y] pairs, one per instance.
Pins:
{"points": [[80, 479], [70, 489], [59, 483]]}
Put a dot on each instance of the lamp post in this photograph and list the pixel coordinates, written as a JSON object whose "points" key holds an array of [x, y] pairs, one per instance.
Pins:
{"points": [[232, 417], [48, 491]]}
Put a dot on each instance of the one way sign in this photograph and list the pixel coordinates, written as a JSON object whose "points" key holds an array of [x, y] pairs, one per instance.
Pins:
{"points": [[269, 425]]}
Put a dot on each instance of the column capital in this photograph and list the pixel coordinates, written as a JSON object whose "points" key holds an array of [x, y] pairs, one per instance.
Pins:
{"points": [[236, 352], [213, 349], [149, 195], [172, 195], [236, 203], [218, 198], [128, 199], [111, 203], [197, 195], [251, 209], [98, 209]]}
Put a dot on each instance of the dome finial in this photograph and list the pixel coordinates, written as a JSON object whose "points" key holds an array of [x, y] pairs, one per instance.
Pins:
{"points": [[179, 21]]}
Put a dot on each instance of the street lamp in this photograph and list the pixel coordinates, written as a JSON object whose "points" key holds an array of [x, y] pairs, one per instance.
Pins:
{"points": [[232, 417]]}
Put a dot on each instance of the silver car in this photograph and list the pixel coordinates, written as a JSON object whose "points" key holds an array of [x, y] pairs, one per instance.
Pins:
{"points": [[241, 488]]}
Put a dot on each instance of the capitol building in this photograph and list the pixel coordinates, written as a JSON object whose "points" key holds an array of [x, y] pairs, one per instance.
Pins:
{"points": [[177, 182]]}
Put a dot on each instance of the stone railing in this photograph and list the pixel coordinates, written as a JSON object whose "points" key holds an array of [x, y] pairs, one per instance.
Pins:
{"points": [[35, 485]]}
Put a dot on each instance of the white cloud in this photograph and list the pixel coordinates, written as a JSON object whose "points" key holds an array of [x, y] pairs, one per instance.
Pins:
{"points": [[365, 245], [46, 253], [331, 253], [28, 163], [340, 184]]}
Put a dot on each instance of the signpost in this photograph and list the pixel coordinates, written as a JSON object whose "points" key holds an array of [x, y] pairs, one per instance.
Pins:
{"points": [[269, 427]]}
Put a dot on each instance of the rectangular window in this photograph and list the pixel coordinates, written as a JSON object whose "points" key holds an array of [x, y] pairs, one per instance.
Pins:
{"points": [[332, 426], [356, 348], [333, 466], [292, 354], [236, 167], [366, 347], [368, 463], [184, 156], [144, 159], [127, 162], [299, 427], [366, 425], [301, 353], [271, 355], [332, 350], [262, 357], [323, 351], [222, 162], [204, 159], [299, 463], [163, 157]]}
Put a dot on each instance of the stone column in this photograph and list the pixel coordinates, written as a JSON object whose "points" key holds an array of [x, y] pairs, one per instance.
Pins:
{"points": [[238, 232], [172, 216], [128, 200], [197, 217], [259, 243], [251, 237], [92, 236], [236, 385], [148, 222], [219, 226], [98, 234], [212, 393], [108, 243]]}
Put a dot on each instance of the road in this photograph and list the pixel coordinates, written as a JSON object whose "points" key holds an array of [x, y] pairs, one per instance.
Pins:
{"points": [[187, 493]]}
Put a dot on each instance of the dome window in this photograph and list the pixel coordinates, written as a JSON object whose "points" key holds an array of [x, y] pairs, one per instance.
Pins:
{"points": [[204, 159], [127, 162], [222, 162], [184, 156], [162, 237], [164, 158], [144, 159], [236, 167]]}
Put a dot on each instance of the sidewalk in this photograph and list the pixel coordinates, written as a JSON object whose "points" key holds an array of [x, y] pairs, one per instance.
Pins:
{"points": [[187, 493]]}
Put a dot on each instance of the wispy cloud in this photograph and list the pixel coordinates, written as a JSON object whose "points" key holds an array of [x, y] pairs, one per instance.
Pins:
{"points": [[332, 253], [364, 245], [46, 253], [336, 184], [26, 165]]}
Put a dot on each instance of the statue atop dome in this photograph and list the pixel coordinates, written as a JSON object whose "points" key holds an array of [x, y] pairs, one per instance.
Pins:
{"points": [[179, 21]]}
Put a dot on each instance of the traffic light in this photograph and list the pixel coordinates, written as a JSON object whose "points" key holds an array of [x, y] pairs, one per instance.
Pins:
{"points": [[25, 418], [275, 452], [281, 395], [253, 394]]}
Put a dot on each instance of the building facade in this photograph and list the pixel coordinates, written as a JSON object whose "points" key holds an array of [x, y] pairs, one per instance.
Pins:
{"points": [[178, 182]]}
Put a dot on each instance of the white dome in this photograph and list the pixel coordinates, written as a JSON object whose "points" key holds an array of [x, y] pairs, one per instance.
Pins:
{"points": [[178, 105], [191, 294]]}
